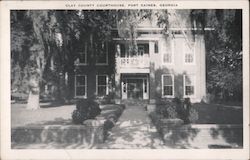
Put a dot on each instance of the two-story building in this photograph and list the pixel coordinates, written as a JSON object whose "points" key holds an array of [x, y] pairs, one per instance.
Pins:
{"points": [[168, 64]]}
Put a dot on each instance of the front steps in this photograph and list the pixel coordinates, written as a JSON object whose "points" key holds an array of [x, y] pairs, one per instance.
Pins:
{"points": [[135, 102]]}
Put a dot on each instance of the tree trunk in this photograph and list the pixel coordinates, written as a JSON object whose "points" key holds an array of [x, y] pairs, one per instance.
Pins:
{"points": [[33, 101]]}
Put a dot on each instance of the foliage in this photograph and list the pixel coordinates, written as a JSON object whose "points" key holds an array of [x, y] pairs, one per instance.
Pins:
{"points": [[45, 43], [167, 111], [127, 21], [32, 37], [193, 115], [107, 99], [85, 109], [224, 52], [178, 109]]}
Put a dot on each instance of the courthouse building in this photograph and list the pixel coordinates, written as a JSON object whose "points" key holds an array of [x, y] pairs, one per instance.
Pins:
{"points": [[169, 63]]}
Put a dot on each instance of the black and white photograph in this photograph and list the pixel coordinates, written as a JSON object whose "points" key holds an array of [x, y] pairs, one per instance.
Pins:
{"points": [[157, 79]]}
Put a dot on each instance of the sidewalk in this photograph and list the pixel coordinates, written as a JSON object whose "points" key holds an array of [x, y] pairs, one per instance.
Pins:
{"points": [[133, 131]]}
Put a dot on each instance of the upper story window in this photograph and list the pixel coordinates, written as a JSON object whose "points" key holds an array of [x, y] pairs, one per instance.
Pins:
{"points": [[81, 86], [102, 53], [189, 85], [82, 55], [189, 52], [102, 85], [121, 50], [156, 47], [143, 49], [167, 85], [168, 52]]}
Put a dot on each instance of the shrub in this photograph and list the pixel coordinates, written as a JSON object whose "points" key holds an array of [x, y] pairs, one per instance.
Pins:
{"points": [[85, 109], [187, 112], [167, 111], [171, 110], [178, 109], [77, 117], [193, 115], [107, 99]]}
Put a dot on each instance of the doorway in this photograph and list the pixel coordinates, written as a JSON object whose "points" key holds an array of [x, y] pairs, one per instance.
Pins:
{"points": [[135, 87]]}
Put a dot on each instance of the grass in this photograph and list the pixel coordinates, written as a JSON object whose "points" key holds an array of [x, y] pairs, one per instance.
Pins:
{"points": [[49, 114], [219, 114], [208, 114], [20, 116]]}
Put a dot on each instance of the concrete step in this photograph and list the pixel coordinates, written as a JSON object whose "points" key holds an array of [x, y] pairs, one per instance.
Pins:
{"points": [[135, 102]]}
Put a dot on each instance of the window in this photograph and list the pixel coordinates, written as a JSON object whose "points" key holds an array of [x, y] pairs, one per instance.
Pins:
{"points": [[102, 85], [82, 55], [145, 85], [168, 85], [124, 83], [167, 58], [81, 86], [143, 49], [189, 85], [102, 53], [168, 52], [122, 49], [189, 53], [156, 47]]}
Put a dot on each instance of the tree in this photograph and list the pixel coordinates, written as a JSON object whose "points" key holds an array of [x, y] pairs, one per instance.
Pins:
{"points": [[224, 51], [44, 45], [37, 28], [50, 38]]}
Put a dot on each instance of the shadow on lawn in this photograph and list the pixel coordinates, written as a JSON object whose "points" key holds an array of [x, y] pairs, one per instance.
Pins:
{"points": [[59, 133], [218, 114], [56, 121], [179, 137], [54, 104], [219, 137], [62, 133], [233, 135], [132, 134]]}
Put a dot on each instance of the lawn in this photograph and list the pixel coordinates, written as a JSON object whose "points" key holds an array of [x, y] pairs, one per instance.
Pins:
{"points": [[50, 115], [208, 114], [57, 114], [206, 135], [219, 114]]}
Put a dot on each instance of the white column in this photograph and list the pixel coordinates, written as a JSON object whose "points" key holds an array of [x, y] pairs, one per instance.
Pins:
{"points": [[151, 48]]}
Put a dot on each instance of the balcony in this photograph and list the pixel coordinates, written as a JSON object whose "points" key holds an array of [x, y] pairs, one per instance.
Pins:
{"points": [[133, 62]]}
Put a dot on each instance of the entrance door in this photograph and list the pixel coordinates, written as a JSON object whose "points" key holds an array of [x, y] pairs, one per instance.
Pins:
{"points": [[135, 89]]}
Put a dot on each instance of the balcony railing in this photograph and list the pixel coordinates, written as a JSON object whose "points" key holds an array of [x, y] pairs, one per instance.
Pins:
{"points": [[133, 62]]}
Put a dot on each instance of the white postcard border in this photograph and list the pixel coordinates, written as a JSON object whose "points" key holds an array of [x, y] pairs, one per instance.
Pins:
{"points": [[8, 153]]}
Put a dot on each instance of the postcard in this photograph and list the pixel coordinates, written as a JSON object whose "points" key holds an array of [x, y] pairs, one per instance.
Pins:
{"points": [[124, 79]]}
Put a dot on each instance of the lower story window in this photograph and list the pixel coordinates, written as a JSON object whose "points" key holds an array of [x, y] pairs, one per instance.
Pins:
{"points": [[167, 85], [189, 85], [81, 86], [102, 85]]}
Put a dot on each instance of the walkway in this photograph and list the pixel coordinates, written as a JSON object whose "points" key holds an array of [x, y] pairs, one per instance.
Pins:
{"points": [[133, 131]]}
